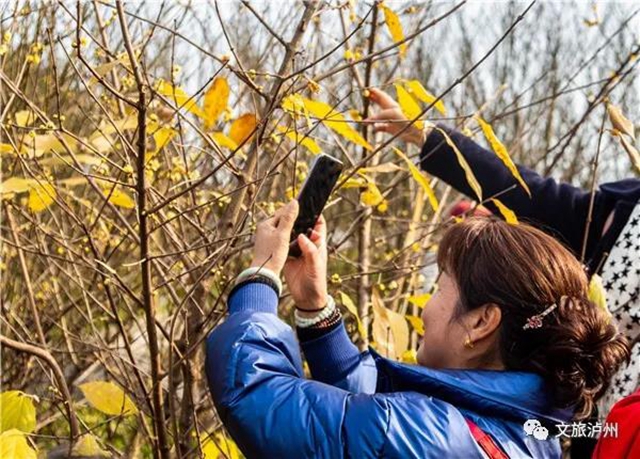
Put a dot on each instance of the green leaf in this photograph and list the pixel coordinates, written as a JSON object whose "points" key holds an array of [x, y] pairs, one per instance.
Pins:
{"points": [[17, 411], [105, 396]]}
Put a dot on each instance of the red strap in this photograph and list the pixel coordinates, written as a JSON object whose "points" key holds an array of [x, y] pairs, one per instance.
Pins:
{"points": [[486, 442]]}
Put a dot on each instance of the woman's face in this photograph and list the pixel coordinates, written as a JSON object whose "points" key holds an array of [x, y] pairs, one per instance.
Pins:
{"points": [[442, 345]]}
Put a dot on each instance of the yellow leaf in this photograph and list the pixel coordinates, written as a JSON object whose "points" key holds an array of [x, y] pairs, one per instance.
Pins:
{"points": [[119, 198], [390, 329], [17, 412], [215, 101], [180, 98], [395, 28], [13, 445], [633, 153], [224, 141], [300, 139], [420, 300], [471, 178], [105, 396], [348, 303], [501, 151], [508, 214], [41, 144], [597, 293], [417, 324], [409, 106], [416, 88], [41, 196], [222, 447], [25, 118], [358, 181], [371, 196], [162, 136], [420, 178], [243, 128], [329, 117], [382, 168], [16, 185], [619, 121], [87, 446], [410, 357]]}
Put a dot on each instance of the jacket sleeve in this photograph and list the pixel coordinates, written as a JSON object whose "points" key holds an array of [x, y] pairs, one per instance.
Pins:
{"points": [[333, 359], [255, 377], [550, 202]]}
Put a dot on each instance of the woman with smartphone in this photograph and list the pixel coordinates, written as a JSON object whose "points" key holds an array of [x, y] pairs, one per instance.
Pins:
{"points": [[512, 348], [612, 235]]}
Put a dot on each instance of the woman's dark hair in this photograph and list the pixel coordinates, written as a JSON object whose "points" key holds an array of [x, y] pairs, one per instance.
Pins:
{"points": [[522, 270]]}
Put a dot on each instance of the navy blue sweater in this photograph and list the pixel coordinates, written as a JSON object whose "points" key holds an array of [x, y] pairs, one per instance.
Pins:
{"points": [[559, 208]]}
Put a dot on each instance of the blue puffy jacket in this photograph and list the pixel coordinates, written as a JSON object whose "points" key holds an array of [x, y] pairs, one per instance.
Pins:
{"points": [[360, 405]]}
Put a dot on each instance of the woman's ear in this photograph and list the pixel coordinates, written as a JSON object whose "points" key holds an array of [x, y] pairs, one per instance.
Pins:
{"points": [[484, 321]]}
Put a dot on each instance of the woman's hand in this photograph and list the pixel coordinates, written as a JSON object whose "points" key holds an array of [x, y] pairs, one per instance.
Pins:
{"points": [[307, 276], [271, 246], [391, 119]]}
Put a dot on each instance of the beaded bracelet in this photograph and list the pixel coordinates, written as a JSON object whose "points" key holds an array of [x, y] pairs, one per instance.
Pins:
{"points": [[327, 311]]}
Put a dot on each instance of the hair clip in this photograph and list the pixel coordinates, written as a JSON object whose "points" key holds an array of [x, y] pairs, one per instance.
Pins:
{"points": [[536, 321]]}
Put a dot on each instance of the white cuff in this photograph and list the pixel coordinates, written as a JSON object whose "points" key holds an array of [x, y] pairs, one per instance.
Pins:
{"points": [[263, 272], [305, 322]]}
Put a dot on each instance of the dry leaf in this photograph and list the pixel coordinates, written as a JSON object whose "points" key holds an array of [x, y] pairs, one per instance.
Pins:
{"points": [[633, 153], [215, 101], [620, 122], [348, 303], [243, 128], [390, 329]]}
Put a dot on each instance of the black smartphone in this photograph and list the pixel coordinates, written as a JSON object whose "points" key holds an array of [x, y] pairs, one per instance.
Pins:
{"points": [[314, 194]]}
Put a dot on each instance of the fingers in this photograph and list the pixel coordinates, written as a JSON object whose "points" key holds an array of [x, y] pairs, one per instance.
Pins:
{"points": [[321, 226], [309, 249], [381, 98], [285, 217]]}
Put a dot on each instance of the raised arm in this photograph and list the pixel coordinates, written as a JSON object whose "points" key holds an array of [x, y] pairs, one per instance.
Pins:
{"points": [[550, 203]]}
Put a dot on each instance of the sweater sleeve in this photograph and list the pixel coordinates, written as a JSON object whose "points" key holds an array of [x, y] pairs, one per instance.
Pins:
{"points": [[549, 205]]}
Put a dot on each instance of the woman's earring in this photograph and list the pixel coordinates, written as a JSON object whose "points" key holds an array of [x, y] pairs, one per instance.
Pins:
{"points": [[468, 343]]}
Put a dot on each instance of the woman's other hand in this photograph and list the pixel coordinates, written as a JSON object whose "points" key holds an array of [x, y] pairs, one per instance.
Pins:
{"points": [[307, 276], [391, 119], [271, 246]]}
